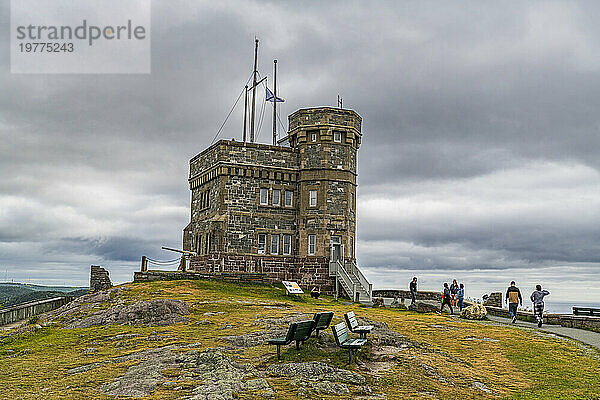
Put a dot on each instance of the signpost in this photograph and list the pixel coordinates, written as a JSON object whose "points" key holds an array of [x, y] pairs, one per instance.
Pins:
{"points": [[292, 287]]}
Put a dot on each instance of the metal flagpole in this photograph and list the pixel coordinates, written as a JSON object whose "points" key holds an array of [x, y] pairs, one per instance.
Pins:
{"points": [[275, 103], [253, 91]]}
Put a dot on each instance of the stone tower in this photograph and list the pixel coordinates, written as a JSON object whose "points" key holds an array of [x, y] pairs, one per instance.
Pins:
{"points": [[327, 140], [287, 212]]}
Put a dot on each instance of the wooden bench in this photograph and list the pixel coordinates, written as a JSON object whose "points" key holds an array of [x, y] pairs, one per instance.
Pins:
{"points": [[340, 333], [362, 330], [594, 312], [322, 321]]}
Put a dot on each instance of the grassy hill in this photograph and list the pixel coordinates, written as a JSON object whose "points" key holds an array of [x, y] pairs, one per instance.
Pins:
{"points": [[18, 293], [81, 352]]}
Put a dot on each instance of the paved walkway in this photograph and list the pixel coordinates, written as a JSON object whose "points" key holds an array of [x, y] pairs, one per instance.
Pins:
{"points": [[588, 337]]}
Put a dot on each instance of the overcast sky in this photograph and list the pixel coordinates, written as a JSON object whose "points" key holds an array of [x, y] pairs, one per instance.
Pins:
{"points": [[480, 151]]}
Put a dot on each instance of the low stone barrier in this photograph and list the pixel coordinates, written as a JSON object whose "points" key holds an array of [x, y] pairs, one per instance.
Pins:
{"points": [[405, 294], [149, 276], [567, 320], [23, 311]]}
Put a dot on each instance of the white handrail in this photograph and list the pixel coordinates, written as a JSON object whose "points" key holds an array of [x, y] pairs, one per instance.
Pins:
{"points": [[367, 287], [346, 280]]}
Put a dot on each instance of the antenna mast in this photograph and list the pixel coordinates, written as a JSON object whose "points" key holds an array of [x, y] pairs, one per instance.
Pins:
{"points": [[254, 91], [275, 103], [245, 110]]}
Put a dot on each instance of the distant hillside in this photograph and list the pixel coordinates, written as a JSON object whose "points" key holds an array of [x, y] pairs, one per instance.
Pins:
{"points": [[17, 293]]}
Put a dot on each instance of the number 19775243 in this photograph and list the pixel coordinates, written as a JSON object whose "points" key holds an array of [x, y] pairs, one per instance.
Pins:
{"points": [[41, 47]]}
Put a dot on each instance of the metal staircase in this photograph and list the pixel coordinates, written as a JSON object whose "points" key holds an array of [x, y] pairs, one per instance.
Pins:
{"points": [[351, 280]]}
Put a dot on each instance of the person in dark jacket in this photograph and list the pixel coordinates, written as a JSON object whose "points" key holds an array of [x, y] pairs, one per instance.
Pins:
{"points": [[461, 296], [513, 297], [454, 292], [537, 299], [446, 298], [413, 290]]}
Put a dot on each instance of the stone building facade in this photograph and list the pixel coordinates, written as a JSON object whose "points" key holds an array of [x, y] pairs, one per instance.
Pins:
{"points": [[287, 211]]}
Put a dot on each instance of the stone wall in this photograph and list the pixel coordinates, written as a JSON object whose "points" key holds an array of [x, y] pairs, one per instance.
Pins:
{"points": [[493, 300], [307, 271], [568, 320], [99, 279], [24, 311], [150, 276], [405, 294]]}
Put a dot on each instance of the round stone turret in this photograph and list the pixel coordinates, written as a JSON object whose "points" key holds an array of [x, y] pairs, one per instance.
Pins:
{"points": [[327, 140]]}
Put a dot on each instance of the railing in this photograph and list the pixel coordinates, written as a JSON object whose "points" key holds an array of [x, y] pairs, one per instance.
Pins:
{"points": [[362, 280], [332, 268], [345, 279]]}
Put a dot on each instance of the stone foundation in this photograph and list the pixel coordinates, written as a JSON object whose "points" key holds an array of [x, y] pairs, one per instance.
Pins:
{"points": [[149, 276], [307, 271]]}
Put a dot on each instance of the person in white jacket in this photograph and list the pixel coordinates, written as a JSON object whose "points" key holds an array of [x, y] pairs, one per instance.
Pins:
{"points": [[537, 298]]}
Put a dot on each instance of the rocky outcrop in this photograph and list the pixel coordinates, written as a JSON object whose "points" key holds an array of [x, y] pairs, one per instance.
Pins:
{"points": [[378, 302], [315, 370], [150, 313], [423, 307], [398, 303], [221, 376], [476, 311]]}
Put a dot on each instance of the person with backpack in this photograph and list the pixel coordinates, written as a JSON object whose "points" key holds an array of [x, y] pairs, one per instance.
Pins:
{"points": [[413, 290], [461, 296], [446, 298], [537, 297], [513, 297]]}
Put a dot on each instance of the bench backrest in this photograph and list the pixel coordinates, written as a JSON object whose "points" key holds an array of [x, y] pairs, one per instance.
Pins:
{"points": [[303, 330], [586, 311], [291, 331], [351, 320], [340, 333], [322, 319]]}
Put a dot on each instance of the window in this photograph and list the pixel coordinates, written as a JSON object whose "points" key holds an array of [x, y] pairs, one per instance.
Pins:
{"points": [[264, 196], [276, 197], [262, 243], [312, 199], [289, 196], [312, 245], [351, 201], [287, 244], [351, 247], [274, 244], [313, 137], [337, 136]]}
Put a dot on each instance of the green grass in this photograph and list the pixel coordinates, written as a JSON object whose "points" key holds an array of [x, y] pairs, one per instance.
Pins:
{"points": [[513, 363]]}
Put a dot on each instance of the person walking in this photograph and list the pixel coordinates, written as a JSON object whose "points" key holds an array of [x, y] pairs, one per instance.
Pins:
{"points": [[537, 297], [461, 296], [513, 297], [454, 291], [413, 290], [446, 299]]}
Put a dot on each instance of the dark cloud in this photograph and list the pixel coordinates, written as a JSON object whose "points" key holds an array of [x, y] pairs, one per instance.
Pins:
{"points": [[480, 145]]}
